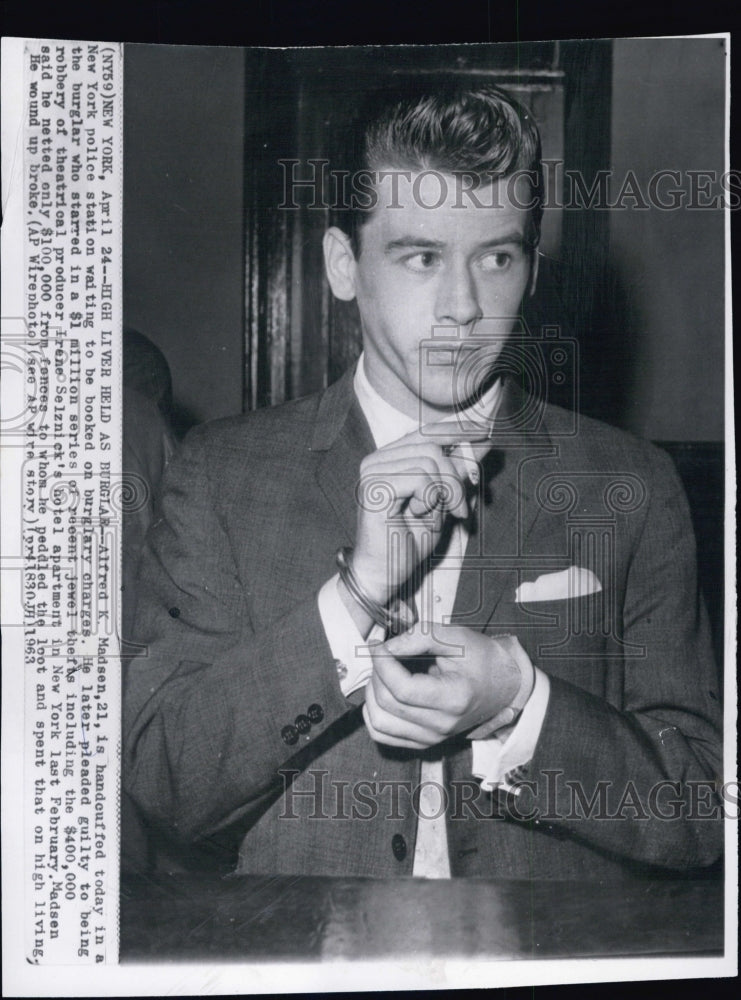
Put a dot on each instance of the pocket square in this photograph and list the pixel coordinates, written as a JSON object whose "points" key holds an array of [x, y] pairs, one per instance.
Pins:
{"points": [[569, 583]]}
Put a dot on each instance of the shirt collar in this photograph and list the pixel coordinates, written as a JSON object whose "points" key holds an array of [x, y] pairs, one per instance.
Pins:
{"points": [[387, 424]]}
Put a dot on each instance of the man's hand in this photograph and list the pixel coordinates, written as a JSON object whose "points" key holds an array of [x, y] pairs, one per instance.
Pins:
{"points": [[405, 493], [419, 710]]}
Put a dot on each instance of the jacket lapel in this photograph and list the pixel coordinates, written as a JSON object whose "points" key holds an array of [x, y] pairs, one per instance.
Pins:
{"points": [[507, 508], [342, 436]]}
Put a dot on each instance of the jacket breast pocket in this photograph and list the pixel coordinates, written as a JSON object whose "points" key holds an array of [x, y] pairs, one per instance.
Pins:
{"points": [[568, 628]]}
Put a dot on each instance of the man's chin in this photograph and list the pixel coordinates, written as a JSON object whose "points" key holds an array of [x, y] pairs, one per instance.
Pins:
{"points": [[456, 393], [442, 405]]}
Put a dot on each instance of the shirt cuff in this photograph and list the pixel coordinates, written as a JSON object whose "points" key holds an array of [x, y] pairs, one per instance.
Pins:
{"points": [[350, 650], [494, 758]]}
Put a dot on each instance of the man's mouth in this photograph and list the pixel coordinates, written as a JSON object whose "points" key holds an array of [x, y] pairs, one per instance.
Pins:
{"points": [[457, 355]]}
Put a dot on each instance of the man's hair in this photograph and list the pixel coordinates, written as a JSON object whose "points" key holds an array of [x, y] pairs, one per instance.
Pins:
{"points": [[452, 127]]}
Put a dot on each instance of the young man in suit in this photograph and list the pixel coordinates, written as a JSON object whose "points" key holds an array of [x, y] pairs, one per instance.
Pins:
{"points": [[423, 623]]}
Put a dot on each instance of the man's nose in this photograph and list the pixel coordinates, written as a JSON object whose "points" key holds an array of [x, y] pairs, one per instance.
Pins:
{"points": [[457, 298]]}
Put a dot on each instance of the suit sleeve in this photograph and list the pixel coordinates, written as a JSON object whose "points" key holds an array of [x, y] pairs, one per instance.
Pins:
{"points": [[640, 779], [211, 701]]}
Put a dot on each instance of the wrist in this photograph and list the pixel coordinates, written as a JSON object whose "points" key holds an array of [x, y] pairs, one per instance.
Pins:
{"points": [[507, 717], [374, 583], [394, 617]]}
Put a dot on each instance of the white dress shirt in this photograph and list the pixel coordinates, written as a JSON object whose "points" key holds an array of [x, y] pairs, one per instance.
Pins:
{"points": [[497, 755]]}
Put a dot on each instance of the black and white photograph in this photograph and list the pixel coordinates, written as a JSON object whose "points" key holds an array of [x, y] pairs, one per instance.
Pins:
{"points": [[424, 592], [416, 603]]}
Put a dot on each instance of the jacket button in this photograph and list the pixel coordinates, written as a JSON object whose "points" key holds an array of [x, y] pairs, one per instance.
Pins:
{"points": [[399, 846], [174, 612], [289, 735], [315, 713], [302, 723]]}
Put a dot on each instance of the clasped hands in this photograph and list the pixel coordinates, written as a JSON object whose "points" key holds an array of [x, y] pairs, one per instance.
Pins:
{"points": [[457, 693], [472, 677]]}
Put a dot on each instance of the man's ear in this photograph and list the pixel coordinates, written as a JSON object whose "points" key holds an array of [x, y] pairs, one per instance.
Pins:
{"points": [[533, 280], [339, 263]]}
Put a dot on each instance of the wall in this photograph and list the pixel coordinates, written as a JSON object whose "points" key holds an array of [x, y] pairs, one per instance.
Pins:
{"points": [[183, 234], [667, 113]]}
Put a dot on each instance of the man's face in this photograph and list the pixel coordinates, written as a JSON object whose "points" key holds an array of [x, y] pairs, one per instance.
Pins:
{"points": [[455, 274]]}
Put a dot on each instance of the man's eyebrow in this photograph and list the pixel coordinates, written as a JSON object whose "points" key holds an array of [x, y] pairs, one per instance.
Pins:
{"points": [[514, 238], [405, 242], [421, 242]]}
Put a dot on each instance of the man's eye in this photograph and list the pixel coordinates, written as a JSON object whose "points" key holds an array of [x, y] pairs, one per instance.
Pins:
{"points": [[498, 261], [425, 260]]}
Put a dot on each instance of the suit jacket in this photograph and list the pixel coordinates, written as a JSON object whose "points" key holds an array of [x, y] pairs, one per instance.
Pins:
{"points": [[238, 666]]}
